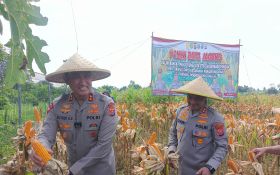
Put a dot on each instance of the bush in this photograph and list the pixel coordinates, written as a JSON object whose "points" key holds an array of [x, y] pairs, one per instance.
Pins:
{"points": [[4, 102]]}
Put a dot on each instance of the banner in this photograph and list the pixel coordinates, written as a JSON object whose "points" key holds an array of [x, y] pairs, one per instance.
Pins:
{"points": [[176, 62]]}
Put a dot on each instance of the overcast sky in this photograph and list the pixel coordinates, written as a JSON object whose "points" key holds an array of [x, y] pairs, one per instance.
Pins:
{"points": [[116, 35]]}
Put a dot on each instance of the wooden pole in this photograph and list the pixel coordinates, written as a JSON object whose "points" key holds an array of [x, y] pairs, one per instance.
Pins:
{"points": [[19, 104]]}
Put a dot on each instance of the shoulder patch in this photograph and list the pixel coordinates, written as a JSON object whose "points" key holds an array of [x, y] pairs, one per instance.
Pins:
{"points": [[219, 129], [183, 114], [180, 108], [55, 101], [111, 109]]}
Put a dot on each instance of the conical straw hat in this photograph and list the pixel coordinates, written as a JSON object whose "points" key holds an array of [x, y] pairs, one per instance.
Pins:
{"points": [[197, 87], [76, 63]]}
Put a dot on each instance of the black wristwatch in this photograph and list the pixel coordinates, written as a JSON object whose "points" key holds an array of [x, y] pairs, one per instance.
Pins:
{"points": [[210, 168]]}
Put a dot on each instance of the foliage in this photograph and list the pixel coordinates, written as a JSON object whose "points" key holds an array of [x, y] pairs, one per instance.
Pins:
{"points": [[25, 47], [272, 90], [247, 119], [3, 63], [245, 88], [106, 88], [4, 102], [7, 149], [132, 96]]}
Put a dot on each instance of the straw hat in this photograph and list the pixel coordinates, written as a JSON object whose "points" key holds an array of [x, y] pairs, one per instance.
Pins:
{"points": [[76, 63], [197, 87]]}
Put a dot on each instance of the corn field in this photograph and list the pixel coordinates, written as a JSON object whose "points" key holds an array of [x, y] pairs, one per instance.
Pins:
{"points": [[142, 134]]}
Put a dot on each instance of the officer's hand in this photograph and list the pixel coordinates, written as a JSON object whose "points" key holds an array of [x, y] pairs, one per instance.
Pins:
{"points": [[259, 152], [203, 171], [36, 159], [171, 160], [172, 164]]}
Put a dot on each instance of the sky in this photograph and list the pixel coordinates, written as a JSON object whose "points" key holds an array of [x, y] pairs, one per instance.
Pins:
{"points": [[116, 35]]}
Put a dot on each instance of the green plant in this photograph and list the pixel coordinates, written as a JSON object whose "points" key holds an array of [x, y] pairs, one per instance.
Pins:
{"points": [[25, 47]]}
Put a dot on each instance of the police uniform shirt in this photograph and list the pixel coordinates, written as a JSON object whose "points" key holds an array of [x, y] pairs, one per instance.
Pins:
{"points": [[199, 139], [87, 131]]}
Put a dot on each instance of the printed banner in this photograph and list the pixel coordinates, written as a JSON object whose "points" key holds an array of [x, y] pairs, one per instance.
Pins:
{"points": [[176, 62]]}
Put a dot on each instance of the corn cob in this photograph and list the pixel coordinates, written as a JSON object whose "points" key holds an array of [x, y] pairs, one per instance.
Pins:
{"points": [[230, 140], [251, 156], [152, 139], [232, 165], [27, 128], [37, 114], [41, 151], [27, 131], [32, 133]]}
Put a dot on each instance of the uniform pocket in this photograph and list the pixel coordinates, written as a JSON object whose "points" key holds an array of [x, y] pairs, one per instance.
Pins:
{"points": [[200, 138], [91, 132], [66, 131]]}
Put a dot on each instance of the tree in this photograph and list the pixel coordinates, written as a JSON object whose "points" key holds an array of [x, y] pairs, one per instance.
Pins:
{"points": [[24, 46], [272, 90], [3, 62], [106, 88], [134, 85], [245, 88], [278, 86]]}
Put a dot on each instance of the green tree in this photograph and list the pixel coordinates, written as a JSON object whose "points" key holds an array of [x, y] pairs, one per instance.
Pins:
{"points": [[272, 90], [24, 46], [106, 88]]}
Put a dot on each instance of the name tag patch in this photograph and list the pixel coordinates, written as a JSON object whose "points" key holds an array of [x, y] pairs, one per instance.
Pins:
{"points": [[60, 117], [93, 117]]}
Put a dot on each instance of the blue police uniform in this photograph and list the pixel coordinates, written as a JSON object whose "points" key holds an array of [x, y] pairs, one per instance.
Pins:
{"points": [[199, 138], [87, 130]]}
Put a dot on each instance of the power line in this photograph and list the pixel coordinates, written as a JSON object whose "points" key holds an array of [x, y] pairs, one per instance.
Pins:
{"points": [[265, 61], [129, 53], [74, 23], [121, 49], [247, 71]]}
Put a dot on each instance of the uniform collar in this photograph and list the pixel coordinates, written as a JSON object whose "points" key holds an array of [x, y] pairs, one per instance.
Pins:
{"points": [[91, 98], [202, 111]]}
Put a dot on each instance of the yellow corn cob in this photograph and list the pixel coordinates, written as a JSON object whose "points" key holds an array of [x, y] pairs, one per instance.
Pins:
{"points": [[37, 114], [124, 125], [41, 151], [232, 165], [27, 128], [152, 138], [32, 133], [230, 140], [251, 156]]}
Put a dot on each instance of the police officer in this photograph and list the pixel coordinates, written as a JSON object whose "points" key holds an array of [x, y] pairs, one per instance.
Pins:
{"points": [[85, 119], [198, 132]]}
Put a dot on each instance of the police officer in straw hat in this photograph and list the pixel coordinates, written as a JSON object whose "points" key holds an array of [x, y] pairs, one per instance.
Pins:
{"points": [[198, 132], [85, 119]]}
